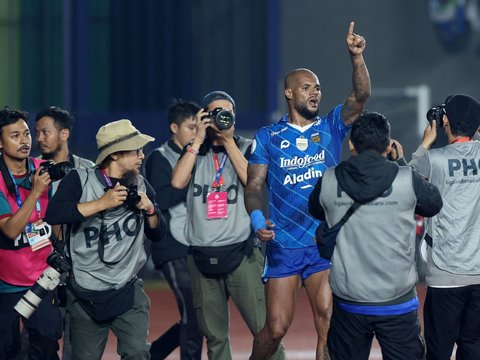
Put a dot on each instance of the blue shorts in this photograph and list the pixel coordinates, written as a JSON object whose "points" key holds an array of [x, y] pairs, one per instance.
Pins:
{"points": [[280, 262]]}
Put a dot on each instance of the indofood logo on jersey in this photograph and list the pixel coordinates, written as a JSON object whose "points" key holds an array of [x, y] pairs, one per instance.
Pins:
{"points": [[298, 162]]}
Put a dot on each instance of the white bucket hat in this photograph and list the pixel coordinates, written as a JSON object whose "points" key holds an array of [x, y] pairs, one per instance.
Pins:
{"points": [[118, 136]]}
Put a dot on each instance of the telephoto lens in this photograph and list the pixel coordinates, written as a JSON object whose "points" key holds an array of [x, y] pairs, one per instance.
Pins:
{"points": [[29, 302]]}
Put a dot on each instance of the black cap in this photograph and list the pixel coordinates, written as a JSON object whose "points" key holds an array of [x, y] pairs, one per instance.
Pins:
{"points": [[462, 107], [216, 95]]}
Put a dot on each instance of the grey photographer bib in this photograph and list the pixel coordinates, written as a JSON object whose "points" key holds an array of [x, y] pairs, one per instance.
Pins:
{"points": [[455, 170], [216, 232], [122, 231], [178, 213]]}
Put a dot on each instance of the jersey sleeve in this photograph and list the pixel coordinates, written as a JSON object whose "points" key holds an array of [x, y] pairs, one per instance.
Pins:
{"points": [[338, 127], [259, 152]]}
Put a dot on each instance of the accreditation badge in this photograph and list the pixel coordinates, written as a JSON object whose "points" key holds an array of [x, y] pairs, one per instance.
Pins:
{"points": [[217, 202], [38, 234]]}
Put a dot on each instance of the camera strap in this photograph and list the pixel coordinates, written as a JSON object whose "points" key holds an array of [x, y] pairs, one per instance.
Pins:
{"points": [[107, 178], [101, 244], [12, 185], [101, 248], [219, 165]]}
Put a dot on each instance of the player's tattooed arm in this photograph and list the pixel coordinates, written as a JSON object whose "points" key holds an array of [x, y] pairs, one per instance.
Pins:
{"points": [[256, 176]]}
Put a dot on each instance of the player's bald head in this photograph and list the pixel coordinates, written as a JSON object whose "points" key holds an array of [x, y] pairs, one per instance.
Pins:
{"points": [[292, 77]]}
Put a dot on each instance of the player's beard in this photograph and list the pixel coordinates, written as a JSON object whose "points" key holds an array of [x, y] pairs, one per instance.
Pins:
{"points": [[302, 109]]}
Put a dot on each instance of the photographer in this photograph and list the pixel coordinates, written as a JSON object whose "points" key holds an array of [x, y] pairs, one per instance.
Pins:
{"points": [[109, 211], [373, 274], [223, 261], [24, 242], [170, 255], [452, 304], [53, 127]]}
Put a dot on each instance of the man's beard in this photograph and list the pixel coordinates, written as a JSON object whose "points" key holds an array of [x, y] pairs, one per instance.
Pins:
{"points": [[131, 177], [51, 155], [305, 113]]}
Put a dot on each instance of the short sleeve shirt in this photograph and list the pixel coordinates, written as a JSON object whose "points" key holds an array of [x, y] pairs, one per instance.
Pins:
{"points": [[297, 158]]}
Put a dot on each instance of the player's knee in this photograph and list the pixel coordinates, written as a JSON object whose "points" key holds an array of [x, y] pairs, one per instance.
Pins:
{"points": [[324, 312], [277, 331]]}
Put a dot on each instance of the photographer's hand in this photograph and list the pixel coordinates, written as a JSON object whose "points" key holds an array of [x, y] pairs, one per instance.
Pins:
{"points": [[13, 226], [223, 137], [202, 124], [40, 182], [429, 135], [397, 150], [182, 172], [112, 198], [115, 196], [146, 205]]}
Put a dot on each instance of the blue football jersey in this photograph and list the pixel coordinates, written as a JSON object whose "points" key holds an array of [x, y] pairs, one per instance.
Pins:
{"points": [[296, 159]]}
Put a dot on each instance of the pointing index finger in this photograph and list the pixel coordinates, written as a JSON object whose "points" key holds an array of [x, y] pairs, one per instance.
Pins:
{"points": [[350, 30]]}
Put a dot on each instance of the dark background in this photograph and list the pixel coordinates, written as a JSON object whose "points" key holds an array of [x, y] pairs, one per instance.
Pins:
{"points": [[110, 59]]}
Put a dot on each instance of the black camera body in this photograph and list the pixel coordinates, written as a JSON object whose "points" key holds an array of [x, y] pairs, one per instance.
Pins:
{"points": [[58, 262], [132, 196], [56, 171], [222, 118], [436, 113]]}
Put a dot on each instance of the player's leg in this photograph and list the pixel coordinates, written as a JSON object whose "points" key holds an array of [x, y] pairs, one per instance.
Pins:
{"points": [[320, 296], [281, 296], [315, 278]]}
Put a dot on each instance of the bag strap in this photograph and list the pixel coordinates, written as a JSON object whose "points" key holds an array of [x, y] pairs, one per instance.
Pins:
{"points": [[101, 247], [349, 212]]}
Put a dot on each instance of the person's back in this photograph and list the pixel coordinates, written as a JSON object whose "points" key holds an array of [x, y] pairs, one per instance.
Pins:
{"points": [[451, 314], [373, 274], [455, 170]]}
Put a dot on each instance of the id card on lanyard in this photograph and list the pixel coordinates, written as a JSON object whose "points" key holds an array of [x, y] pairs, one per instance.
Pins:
{"points": [[38, 232], [217, 200]]}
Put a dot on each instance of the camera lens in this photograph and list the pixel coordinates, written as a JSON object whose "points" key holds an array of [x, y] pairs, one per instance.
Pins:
{"points": [[223, 118], [30, 301]]}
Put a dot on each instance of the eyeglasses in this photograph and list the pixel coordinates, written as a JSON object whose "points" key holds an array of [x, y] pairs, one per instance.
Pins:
{"points": [[137, 152]]}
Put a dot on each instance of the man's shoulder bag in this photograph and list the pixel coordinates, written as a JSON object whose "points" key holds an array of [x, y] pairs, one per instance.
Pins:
{"points": [[327, 236]]}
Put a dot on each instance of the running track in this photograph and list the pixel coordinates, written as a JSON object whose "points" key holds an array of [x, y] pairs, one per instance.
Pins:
{"points": [[300, 341]]}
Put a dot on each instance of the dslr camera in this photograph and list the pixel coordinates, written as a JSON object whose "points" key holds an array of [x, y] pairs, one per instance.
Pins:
{"points": [[56, 171], [48, 281], [436, 113], [132, 196], [222, 118]]}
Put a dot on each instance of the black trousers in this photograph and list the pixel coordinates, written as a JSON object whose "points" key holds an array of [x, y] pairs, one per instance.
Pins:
{"points": [[452, 316], [44, 328], [185, 333], [350, 336]]}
